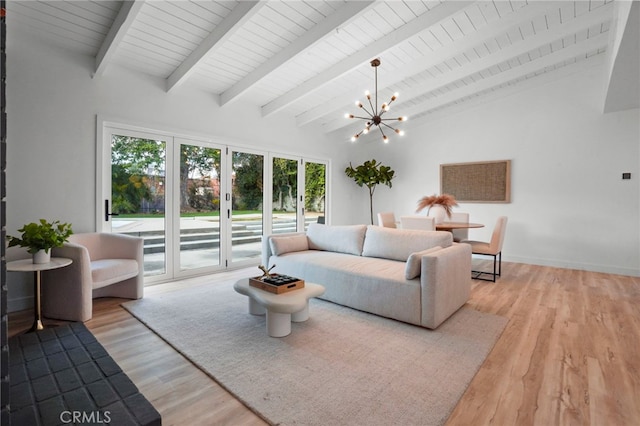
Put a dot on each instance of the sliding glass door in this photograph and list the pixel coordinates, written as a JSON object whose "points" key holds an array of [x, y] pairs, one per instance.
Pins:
{"points": [[200, 206], [315, 191], [298, 193], [137, 204], [245, 211], [284, 192], [199, 227]]}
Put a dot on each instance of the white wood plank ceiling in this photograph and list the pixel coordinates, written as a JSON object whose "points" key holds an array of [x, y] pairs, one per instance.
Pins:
{"points": [[310, 59]]}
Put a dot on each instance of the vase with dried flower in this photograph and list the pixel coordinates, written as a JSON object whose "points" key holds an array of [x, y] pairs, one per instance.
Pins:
{"points": [[439, 206]]}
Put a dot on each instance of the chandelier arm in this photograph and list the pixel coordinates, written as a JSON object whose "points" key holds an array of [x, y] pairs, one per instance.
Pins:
{"points": [[364, 108], [385, 124], [363, 118], [372, 108]]}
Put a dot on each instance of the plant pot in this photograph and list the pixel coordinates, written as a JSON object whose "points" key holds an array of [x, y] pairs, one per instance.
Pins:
{"points": [[42, 256], [438, 213]]}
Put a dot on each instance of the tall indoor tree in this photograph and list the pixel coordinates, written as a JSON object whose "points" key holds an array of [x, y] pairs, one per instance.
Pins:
{"points": [[370, 174]]}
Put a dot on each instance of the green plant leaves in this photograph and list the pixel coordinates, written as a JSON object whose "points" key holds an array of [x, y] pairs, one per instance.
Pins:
{"points": [[370, 174], [41, 235]]}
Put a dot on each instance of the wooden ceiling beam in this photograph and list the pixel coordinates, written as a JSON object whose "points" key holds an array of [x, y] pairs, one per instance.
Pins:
{"points": [[538, 41], [488, 32], [244, 11], [125, 18], [318, 32], [579, 49], [433, 17]]}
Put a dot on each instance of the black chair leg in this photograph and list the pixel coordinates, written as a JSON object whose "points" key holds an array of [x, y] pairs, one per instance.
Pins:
{"points": [[497, 263]]}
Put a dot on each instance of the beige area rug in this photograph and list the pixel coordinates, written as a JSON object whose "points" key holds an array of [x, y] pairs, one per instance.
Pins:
{"points": [[341, 367]]}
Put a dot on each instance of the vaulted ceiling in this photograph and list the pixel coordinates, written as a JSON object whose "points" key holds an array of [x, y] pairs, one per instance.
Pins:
{"points": [[311, 59]]}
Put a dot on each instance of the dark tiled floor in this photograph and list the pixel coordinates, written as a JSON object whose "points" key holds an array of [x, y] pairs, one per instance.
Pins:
{"points": [[63, 375]]}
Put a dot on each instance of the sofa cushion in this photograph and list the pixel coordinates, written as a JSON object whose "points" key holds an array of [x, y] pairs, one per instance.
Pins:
{"points": [[108, 271], [285, 244], [414, 262], [398, 244], [340, 239], [365, 283]]}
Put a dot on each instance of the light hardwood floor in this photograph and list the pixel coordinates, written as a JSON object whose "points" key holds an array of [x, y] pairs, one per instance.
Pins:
{"points": [[570, 354]]}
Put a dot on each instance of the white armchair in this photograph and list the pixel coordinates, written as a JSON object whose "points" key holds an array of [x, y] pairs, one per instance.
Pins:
{"points": [[104, 265]]}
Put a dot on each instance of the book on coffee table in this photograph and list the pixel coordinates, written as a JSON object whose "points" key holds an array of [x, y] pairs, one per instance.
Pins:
{"points": [[277, 283]]}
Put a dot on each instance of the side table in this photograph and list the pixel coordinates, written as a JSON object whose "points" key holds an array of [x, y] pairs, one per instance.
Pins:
{"points": [[27, 265]]}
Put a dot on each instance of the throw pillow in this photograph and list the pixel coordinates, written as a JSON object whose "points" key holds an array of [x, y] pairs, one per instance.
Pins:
{"points": [[414, 263], [285, 244], [398, 244], [341, 239]]}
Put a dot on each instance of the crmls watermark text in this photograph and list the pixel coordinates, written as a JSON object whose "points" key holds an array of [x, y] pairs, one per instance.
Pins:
{"points": [[82, 417]]}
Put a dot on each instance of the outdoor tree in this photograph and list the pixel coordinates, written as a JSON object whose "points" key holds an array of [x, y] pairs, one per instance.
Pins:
{"points": [[314, 187], [248, 184], [370, 174], [285, 184], [197, 166], [135, 165]]}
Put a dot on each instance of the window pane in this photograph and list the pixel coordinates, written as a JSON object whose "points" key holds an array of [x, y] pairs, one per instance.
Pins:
{"points": [[199, 207], [285, 195], [314, 192], [138, 195], [247, 215]]}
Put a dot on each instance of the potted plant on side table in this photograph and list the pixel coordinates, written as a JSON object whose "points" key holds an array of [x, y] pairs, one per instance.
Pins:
{"points": [[40, 237]]}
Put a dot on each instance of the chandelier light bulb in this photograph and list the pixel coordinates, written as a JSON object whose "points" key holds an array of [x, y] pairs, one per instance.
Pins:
{"points": [[400, 132], [385, 107], [402, 118], [354, 137], [385, 139], [395, 96], [367, 94], [347, 115], [366, 130]]}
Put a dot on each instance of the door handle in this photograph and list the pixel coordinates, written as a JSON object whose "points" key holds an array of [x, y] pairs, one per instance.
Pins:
{"points": [[106, 211]]}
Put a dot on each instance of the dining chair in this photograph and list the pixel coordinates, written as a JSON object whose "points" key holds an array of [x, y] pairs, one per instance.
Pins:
{"points": [[459, 234], [418, 222], [387, 219], [492, 248]]}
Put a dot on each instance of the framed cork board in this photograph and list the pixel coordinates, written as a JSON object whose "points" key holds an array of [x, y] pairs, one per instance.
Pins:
{"points": [[483, 182]]}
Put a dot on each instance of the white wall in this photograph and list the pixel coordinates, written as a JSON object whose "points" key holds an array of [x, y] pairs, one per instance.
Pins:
{"points": [[52, 106], [570, 206]]}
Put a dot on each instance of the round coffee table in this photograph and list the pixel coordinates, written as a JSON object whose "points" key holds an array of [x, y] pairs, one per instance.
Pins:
{"points": [[280, 309]]}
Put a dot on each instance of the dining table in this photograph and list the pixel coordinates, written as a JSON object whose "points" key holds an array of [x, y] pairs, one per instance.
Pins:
{"points": [[451, 226]]}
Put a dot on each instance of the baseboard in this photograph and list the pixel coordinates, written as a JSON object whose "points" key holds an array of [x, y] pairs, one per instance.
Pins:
{"points": [[607, 269], [19, 304]]}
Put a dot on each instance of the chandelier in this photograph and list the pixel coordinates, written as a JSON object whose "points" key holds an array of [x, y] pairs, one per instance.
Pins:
{"points": [[374, 114]]}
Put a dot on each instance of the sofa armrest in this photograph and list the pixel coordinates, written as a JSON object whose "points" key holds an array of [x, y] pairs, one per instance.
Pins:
{"points": [[445, 279], [67, 292], [266, 247]]}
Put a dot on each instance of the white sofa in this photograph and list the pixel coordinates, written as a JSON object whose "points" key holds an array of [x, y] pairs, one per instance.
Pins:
{"points": [[418, 277]]}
